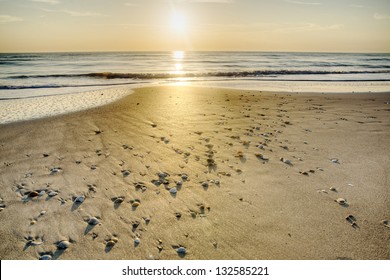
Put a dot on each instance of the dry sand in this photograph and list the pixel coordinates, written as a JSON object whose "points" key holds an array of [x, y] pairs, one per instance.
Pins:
{"points": [[239, 200]]}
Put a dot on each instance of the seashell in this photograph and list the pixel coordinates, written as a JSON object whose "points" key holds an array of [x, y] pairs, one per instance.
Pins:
{"points": [[135, 204], [181, 251], [178, 215], [341, 201], [333, 189], [64, 244], [55, 170], [286, 161], [43, 212], [52, 193], [33, 194], [335, 160], [93, 221], [137, 241], [125, 172], [119, 200], [35, 243], [45, 258], [110, 243], [173, 190], [79, 199], [41, 193], [162, 175]]}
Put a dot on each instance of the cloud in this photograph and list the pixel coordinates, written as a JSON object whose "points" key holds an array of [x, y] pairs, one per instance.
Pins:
{"points": [[52, 2], [381, 16], [209, 1], [356, 6], [8, 18], [306, 27], [303, 3], [82, 14]]}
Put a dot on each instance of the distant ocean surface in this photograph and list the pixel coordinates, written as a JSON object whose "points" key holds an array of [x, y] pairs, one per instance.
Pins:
{"points": [[32, 74]]}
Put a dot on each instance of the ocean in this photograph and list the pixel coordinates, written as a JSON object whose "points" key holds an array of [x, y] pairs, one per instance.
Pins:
{"points": [[37, 85], [36, 74]]}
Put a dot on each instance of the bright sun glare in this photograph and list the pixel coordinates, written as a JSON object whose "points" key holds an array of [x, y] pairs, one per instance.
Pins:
{"points": [[179, 22]]}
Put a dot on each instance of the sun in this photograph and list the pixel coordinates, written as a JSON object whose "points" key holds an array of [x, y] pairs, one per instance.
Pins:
{"points": [[179, 22]]}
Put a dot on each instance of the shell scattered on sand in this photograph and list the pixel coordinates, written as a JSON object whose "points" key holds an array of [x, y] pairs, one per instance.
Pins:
{"points": [[93, 221], [286, 161], [119, 200], [173, 190], [181, 251], [79, 199], [64, 244], [33, 194], [55, 170], [137, 241], [341, 201], [111, 242], [335, 160], [125, 172], [52, 193], [333, 189], [135, 204], [179, 183], [45, 258]]}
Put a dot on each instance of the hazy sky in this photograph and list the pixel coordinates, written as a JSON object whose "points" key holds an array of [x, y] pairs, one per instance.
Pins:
{"points": [[154, 25]]}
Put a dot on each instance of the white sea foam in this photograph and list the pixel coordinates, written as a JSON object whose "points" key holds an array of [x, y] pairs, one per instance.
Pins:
{"points": [[14, 110]]}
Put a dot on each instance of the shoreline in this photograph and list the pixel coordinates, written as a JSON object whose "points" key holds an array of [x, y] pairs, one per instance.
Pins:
{"points": [[239, 200], [47, 105]]}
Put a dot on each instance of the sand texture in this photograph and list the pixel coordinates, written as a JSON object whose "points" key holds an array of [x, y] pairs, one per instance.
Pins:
{"points": [[201, 173]]}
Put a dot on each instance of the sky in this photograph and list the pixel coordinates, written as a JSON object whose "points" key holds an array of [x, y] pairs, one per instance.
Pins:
{"points": [[195, 25]]}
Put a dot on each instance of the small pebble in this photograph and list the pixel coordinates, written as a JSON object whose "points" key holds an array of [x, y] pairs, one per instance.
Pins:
{"points": [[173, 190], [45, 258], [137, 241]]}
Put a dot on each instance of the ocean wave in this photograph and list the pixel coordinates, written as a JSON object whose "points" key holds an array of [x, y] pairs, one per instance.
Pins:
{"points": [[243, 74]]}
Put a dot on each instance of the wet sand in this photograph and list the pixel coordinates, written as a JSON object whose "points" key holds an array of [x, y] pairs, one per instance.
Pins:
{"points": [[201, 173]]}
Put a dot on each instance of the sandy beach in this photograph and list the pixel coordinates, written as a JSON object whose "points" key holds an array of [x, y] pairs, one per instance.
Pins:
{"points": [[201, 173]]}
